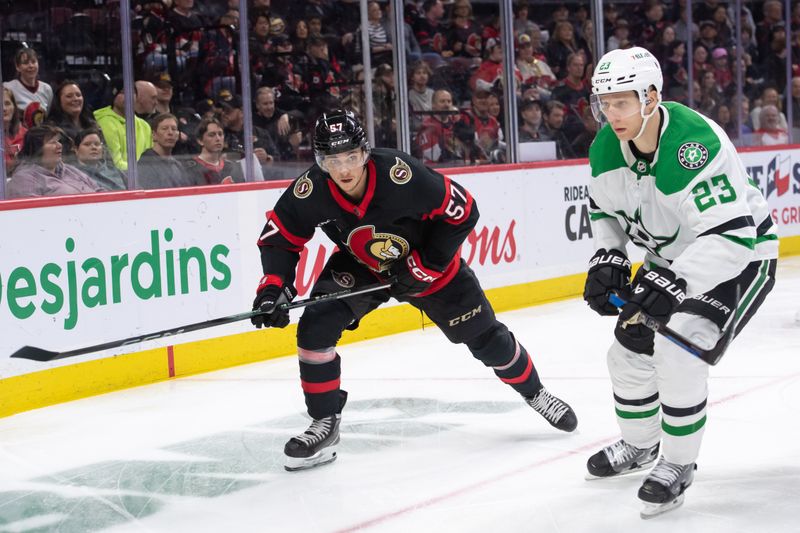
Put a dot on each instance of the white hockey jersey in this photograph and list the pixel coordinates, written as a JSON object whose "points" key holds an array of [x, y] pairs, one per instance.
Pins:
{"points": [[693, 209]]}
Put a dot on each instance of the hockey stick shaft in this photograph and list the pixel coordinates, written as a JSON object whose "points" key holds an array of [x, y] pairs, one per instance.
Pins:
{"points": [[38, 354]]}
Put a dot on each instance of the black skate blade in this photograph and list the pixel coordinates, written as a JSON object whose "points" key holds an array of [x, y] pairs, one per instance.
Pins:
{"points": [[322, 457], [652, 510], [592, 477]]}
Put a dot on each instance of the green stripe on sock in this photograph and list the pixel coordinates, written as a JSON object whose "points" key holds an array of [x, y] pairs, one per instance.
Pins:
{"points": [[633, 414], [682, 431]]}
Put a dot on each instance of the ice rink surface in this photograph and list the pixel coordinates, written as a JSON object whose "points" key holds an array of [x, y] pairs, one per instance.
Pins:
{"points": [[431, 441]]}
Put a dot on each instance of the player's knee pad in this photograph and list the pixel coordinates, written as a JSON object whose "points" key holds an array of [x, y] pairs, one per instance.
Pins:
{"points": [[494, 347], [322, 324]]}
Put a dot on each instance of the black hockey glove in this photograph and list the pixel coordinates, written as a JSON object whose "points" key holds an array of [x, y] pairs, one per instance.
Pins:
{"points": [[271, 293], [411, 277], [656, 293], [609, 271]]}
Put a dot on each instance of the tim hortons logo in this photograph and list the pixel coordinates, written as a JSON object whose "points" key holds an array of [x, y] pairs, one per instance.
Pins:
{"points": [[494, 245], [376, 250]]}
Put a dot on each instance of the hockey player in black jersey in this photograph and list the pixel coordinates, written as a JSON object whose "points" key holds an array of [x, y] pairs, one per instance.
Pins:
{"points": [[391, 218]]}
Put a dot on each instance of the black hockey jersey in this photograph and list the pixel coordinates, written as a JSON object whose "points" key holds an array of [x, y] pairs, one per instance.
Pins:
{"points": [[406, 207]]}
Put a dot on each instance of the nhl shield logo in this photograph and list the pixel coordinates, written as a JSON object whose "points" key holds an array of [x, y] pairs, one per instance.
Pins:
{"points": [[376, 250], [343, 279], [692, 155], [303, 187], [400, 172]]}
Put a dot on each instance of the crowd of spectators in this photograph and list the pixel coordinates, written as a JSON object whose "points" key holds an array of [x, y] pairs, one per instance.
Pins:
{"points": [[306, 57]]}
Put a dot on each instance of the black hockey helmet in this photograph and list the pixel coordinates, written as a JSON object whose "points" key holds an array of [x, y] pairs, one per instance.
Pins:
{"points": [[336, 132]]}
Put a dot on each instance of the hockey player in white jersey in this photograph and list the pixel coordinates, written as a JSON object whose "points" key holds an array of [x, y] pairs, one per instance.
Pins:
{"points": [[669, 181]]}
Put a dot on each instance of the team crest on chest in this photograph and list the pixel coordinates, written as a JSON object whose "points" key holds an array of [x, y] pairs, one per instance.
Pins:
{"points": [[641, 236], [343, 279], [376, 250], [400, 172], [303, 187], [692, 155]]}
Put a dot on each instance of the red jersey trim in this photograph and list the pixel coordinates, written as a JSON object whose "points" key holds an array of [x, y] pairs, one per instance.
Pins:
{"points": [[289, 236], [361, 209]]}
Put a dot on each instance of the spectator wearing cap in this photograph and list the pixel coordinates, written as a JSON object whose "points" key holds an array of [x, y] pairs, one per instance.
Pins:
{"points": [[158, 167], [490, 71], [41, 170], [264, 147], [620, 33], [69, 111], [164, 93], [13, 130], [210, 167], [285, 76], [27, 87], [721, 69], [488, 134], [708, 35], [531, 127], [554, 113], [537, 78], [111, 120], [610, 16]]}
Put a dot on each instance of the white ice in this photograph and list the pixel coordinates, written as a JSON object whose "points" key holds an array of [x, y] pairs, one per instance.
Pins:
{"points": [[431, 441]]}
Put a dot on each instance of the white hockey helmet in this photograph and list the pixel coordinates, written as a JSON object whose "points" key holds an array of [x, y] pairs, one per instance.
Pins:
{"points": [[633, 69]]}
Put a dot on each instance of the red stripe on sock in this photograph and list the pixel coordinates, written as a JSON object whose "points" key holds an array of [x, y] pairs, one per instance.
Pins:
{"points": [[523, 378], [317, 388]]}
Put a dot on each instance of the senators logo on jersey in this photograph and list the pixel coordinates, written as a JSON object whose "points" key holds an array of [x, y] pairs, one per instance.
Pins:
{"points": [[400, 172], [303, 187], [376, 250]]}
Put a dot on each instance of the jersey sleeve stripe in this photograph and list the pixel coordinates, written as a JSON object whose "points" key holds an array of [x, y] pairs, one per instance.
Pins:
{"points": [[289, 236], [747, 242], [745, 221]]}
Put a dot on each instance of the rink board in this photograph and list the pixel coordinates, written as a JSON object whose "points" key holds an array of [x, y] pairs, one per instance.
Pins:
{"points": [[75, 272]]}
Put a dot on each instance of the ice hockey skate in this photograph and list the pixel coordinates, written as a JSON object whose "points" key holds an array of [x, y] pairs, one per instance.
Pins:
{"points": [[663, 488], [314, 447], [618, 459], [555, 411]]}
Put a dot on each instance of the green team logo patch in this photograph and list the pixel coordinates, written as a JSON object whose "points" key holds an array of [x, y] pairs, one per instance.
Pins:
{"points": [[692, 155]]}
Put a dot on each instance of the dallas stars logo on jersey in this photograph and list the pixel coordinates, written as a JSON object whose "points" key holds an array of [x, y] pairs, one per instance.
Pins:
{"points": [[692, 155], [640, 236]]}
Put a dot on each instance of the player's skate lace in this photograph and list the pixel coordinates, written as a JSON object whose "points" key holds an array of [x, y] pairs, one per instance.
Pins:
{"points": [[621, 452], [557, 412], [548, 405], [316, 432], [666, 473]]}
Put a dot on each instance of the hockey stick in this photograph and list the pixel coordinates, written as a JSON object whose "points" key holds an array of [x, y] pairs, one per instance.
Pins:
{"points": [[711, 356], [38, 354]]}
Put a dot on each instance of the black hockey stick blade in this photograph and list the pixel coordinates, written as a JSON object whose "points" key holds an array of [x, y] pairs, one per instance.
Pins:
{"points": [[711, 356], [39, 354]]}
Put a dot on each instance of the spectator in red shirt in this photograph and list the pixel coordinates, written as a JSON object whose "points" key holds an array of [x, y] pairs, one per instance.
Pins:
{"points": [[436, 142]]}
